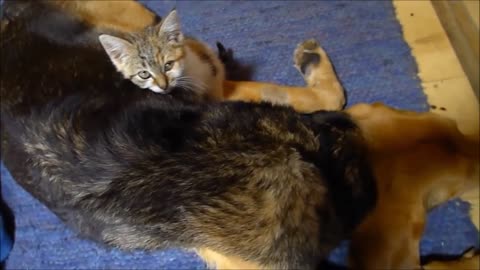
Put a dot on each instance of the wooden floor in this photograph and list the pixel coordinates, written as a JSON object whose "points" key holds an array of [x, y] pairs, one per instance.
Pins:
{"points": [[443, 79]]}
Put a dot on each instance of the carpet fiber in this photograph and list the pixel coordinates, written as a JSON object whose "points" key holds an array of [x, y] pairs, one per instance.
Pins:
{"points": [[364, 41]]}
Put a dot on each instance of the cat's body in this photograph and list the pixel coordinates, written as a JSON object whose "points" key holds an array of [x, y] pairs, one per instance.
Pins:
{"points": [[134, 169], [161, 58]]}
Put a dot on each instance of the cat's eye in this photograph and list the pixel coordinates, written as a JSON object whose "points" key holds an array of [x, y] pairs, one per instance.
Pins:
{"points": [[168, 66], [144, 74]]}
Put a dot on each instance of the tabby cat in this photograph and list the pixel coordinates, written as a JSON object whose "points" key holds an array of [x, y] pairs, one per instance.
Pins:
{"points": [[161, 58]]}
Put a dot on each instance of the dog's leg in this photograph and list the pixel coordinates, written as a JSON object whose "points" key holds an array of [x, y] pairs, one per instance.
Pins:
{"points": [[467, 262], [313, 63], [388, 238], [216, 260], [119, 15], [323, 90], [420, 160]]}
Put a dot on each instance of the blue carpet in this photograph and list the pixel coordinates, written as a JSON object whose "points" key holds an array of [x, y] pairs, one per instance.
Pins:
{"points": [[364, 41]]}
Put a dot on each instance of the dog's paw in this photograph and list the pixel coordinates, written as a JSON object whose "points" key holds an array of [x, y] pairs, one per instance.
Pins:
{"points": [[308, 54]]}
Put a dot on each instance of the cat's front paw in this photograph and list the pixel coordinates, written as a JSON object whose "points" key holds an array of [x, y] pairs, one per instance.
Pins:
{"points": [[307, 55]]}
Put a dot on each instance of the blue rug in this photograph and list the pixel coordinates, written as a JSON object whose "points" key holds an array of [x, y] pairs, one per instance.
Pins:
{"points": [[365, 43]]}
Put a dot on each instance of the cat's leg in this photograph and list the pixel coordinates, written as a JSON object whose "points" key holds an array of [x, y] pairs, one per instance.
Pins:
{"points": [[323, 90], [420, 160]]}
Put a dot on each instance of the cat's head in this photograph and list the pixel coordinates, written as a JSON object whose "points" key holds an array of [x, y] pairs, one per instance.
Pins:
{"points": [[153, 59]]}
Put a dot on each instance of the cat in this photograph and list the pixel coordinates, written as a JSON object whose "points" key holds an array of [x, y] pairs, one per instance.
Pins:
{"points": [[161, 58]]}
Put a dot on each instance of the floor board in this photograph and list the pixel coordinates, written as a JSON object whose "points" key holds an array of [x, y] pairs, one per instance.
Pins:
{"points": [[443, 79]]}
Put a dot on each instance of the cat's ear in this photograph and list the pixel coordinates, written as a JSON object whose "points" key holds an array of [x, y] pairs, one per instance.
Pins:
{"points": [[170, 29], [119, 50]]}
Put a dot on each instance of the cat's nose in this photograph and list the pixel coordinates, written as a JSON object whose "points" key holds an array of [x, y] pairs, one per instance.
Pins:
{"points": [[162, 82], [163, 85]]}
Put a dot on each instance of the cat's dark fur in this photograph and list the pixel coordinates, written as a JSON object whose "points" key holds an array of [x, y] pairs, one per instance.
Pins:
{"points": [[137, 170]]}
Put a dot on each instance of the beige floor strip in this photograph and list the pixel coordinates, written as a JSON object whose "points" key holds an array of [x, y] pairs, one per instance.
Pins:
{"points": [[443, 79]]}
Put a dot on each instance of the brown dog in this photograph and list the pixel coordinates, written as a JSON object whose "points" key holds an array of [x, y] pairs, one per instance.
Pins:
{"points": [[420, 159]]}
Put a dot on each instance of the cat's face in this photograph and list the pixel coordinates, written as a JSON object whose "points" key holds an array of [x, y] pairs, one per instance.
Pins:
{"points": [[153, 59]]}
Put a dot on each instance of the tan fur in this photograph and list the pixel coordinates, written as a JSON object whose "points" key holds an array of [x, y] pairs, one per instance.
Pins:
{"points": [[420, 160], [119, 15], [301, 98], [200, 48], [323, 90], [464, 263], [219, 261]]}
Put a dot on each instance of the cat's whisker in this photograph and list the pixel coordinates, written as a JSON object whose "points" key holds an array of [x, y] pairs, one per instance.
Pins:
{"points": [[186, 86], [198, 84], [190, 84]]}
